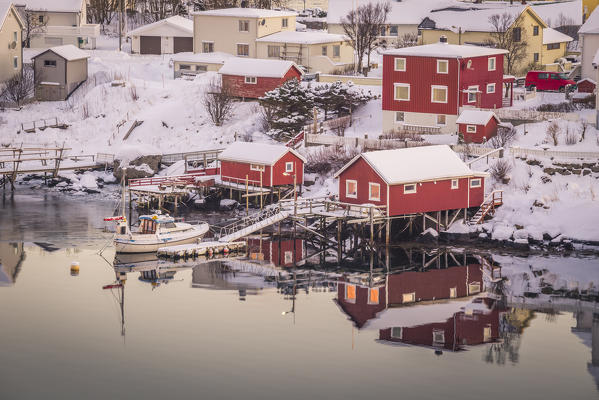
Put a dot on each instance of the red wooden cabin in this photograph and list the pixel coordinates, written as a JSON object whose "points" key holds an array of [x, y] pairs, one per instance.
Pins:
{"points": [[280, 252], [586, 85], [477, 126], [252, 78], [412, 180], [262, 164], [426, 86]]}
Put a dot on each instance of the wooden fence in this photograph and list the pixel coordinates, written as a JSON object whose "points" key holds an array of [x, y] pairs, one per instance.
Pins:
{"points": [[520, 152], [330, 140]]}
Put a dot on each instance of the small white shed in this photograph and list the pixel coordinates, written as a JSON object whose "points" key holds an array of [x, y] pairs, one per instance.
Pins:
{"points": [[167, 36]]}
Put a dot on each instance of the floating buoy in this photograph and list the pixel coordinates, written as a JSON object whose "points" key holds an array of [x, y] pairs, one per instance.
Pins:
{"points": [[74, 268], [226, 250], [210, 252]]}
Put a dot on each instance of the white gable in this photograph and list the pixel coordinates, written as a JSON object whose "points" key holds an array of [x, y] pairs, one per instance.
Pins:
{"points": [[173, 26], [256, 67], [67, 51], [256, 153], [476, 117], [592, 23], [52, 5]]}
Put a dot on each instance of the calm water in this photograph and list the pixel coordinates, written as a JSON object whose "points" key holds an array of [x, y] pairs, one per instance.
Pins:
{"points": [[217, 330]]}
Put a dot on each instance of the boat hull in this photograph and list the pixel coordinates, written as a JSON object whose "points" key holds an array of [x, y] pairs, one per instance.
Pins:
{"points": [[147, 245]]}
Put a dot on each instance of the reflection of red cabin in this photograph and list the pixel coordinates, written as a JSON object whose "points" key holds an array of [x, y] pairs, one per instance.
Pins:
{"points": [[252, 78], [476, 126], [586, 85], [361, 303], [280, 252], [413, 180], [261, 164]]}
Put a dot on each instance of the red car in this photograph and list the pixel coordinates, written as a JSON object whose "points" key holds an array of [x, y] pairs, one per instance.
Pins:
{"points": [[543, 80]]}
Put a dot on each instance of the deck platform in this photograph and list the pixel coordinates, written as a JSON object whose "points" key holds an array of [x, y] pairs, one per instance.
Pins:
{"points": [[200, 249]]}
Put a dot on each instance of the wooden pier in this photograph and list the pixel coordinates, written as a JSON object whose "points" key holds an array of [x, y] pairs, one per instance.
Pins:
{"points": [[194, 250]]}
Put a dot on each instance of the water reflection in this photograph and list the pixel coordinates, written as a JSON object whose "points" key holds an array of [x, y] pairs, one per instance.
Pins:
{"points": [[12, 256]]}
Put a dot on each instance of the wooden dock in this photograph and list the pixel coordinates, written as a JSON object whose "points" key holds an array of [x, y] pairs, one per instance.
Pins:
{"points": [[200, 249]]}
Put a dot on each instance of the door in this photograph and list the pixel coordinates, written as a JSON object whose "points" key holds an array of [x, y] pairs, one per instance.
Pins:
{"points": [[149, 45], [183, 44]]}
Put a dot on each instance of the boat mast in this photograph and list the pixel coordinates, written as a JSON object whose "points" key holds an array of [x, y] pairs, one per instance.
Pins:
{"points": [[123, 192]]}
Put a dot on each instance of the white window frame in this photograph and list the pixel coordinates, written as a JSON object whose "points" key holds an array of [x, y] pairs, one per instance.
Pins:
{"points": [[400, 336], [244, 22], [395, 64], [408, 297], [409, 191], [453, 292], [403, 117], [471, 128], [446, 62], [439, 123], [251, 80], [474, 287], [288, 257], [378, 296], [276, 51], [433, 87], [494, 63], [242, 44], [475, 183], [474, 91], [370, 186], [395, 85], [289, 166], [490, 88], [257, 167], [204, 42], [455, 184], [438, 332], [285, 22], [347, 183]]}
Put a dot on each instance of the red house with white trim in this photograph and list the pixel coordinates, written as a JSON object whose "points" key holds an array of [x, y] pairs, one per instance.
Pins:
{"points": [[262, 164], [427, 86], [412, 180], [252, 78], [477, 126]]}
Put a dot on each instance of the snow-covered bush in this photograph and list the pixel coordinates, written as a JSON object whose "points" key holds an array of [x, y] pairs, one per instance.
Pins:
{"points": [[327, 159], [500, 170], [218, 102], [554, 131], [340, 98], [571, 136], [504, 137]]}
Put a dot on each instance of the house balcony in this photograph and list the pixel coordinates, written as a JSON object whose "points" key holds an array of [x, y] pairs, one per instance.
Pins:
{"points": [[86, 30]]}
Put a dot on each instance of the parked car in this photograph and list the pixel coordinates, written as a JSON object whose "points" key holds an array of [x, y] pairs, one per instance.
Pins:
{"points": [[544, 80]]}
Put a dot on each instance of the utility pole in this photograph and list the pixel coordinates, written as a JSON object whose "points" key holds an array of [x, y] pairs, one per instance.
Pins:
{"points": [[121, 25]]}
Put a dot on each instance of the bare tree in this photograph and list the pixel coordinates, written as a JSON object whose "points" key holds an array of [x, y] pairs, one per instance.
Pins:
{"points": [[218, 102], [408, 39], [102, 11], [509, 34], [504, 137], [34, 22], [19, 88], [363, 26], [553, 133], [156, 10]]}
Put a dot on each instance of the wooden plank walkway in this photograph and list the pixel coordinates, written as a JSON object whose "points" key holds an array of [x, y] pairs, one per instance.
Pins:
{"points": [[200, 249]]}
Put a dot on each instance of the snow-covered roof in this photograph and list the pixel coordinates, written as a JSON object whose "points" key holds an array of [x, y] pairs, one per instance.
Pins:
{"points": [[4, 10], [216, 57], [246, 13], [52, 5], [550, 35], [472, 19], [596, 59], [446, 50], [552, 12], [67, 51], [591, 25], [177, 22], [476, 117], [257, 67], [256, 153], [416, 164], [308, 37], [588, 80]]}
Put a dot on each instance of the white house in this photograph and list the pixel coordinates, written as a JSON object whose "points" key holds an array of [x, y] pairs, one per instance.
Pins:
{"points": [[167, 36], [588, 38]]}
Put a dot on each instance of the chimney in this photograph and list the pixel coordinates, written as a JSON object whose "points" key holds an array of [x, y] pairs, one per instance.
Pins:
{"points": [[443, 39]]}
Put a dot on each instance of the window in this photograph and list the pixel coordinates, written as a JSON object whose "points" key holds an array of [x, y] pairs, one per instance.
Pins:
{"points": [[474, 288], [40, 19], [441, 119], [453, 292], [455, 183], [15, 36], [256, 167], [202, 68], [475, 183], [487, 333], [324, 50], [472, 92], [553, 46], [274, 51], [336, 51], [408, 297], [535, 30], [373, 296], [208, 47], [408, 189], [15, 62], [243, 50], [383, 31], [399, 116], [393, 30], [351, 189], [244, 25], [50, 63], [442, 66], [491, 63], [490, 88], [535, 57], [543, 76], [350, 292], [438, 94], [438, 337], [251, 80], [374, 191], [185, 67], [471, 128], [402, 91], [517, 34], [400, 64], [285, 22], [289, 166], [396, 332], [288, 257]]}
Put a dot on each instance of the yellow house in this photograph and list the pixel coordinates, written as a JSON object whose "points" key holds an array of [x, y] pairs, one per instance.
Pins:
{"points": [[588, 6], [11, 51], [545, 45]]}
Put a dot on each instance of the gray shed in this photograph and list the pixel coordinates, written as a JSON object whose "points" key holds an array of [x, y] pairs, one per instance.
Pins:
{"points": [[58, 72]]}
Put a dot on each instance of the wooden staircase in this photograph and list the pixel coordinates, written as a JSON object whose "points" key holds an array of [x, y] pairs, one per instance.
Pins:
{"points": [[494, 199]]}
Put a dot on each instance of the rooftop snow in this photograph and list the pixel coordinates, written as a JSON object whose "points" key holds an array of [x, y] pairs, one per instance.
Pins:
{"points": [[256, 67], [309, 37], [176, 21], [245, 13], [473, 19], [592, 23], [596, 59], [211, 58], [53, 5], [550, 35], [257, 153], [446, 50], [475, 117], [415, 164], [68, 52]]}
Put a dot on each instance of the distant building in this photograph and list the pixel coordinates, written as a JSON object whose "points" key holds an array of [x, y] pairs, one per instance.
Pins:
{"points": [[59, 71], [588, 38], [167, 36], [11, 51], [191, 64]]}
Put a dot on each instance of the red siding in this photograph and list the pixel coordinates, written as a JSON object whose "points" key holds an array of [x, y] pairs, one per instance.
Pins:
{"points": [[237, 171], [361, 172], [239, 88], [279, 168], [479, 75], [270, 250], [482, 131], [586, 86]]}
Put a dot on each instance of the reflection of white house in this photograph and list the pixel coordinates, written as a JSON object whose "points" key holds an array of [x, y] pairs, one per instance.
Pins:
{"points": [[167, 36], [59, 22], [11, 258]]}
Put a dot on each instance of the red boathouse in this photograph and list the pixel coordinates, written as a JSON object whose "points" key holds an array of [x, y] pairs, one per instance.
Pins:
{"points": [[477, 126], [413, 180], [262, 164], [252, 78]]}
